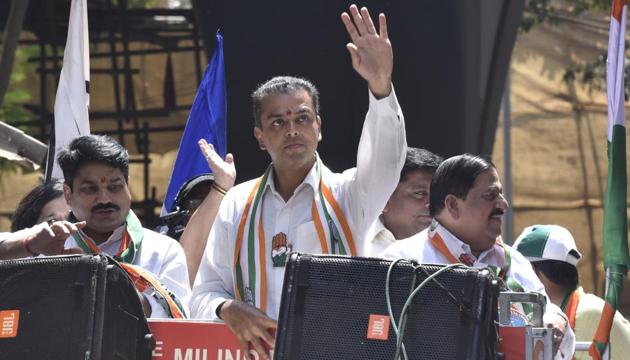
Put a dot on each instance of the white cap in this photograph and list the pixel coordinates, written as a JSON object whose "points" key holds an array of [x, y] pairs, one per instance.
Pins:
{"points": [[547, 242]]}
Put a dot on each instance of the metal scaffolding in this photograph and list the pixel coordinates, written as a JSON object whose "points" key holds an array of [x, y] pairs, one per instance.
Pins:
{"points": [[115, 23]]}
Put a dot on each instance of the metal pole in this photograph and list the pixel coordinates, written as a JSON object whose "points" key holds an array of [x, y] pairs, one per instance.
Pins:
{"points": [[608, 353], [111, 37], [10, 42], [508, 230]]}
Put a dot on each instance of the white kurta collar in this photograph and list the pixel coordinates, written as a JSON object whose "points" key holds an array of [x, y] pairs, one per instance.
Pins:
{"points": [[494, 256], [116, 236], [311, 179], [379, 227]]}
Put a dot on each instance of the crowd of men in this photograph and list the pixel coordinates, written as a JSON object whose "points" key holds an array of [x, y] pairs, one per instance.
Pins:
{"points": [[398, 202]]}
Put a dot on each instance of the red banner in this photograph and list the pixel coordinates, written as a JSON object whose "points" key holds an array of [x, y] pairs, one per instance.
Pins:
{"points": [[196, 340]]}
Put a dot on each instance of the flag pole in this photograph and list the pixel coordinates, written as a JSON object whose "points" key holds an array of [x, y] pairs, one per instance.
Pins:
{"points": [[508, 231], [50, 154], [616, 256]]}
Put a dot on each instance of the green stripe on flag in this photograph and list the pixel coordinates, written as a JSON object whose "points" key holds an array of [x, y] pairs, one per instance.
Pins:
{"points": [[615, 203], [600, 347], [615, 285]]}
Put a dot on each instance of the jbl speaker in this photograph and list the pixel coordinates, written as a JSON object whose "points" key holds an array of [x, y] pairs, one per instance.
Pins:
{"points": [[334, 307], [70, 307]]}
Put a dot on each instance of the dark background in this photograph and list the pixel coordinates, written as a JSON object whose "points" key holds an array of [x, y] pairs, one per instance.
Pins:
{"points": [[450, 61]]}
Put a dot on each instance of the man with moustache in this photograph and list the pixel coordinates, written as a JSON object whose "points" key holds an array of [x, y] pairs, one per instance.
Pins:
{"points": [[407, 210], [299, 204], [467, 204], [96, 172]]}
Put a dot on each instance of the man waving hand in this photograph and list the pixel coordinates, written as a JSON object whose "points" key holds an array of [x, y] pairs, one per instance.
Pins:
{"points": [[298, 204]]}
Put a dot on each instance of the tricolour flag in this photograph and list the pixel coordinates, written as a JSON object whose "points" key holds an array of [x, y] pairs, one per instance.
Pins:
{"points": [[616, 259], [207, 119], [73, 98]]}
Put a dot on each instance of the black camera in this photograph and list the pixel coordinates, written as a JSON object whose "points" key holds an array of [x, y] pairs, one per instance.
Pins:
{"points": [[188, 198]]}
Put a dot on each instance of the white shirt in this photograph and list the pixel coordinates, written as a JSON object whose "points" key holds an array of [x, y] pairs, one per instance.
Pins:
{"points": [[588, 314], [361, 192], [160, 255], [419, 248], [378, 239]]}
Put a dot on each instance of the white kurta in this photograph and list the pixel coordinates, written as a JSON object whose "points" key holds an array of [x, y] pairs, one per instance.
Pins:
{"points": [[160, 255], [361, 192], [378, 239], [420, 249]]}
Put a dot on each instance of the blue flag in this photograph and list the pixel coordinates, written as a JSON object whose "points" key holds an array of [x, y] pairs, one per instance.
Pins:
{"points": [[207, 119]]}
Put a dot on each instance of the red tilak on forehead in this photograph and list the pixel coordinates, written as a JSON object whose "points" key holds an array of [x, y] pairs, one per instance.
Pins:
{"points": [[103, 180], [289, 112]]}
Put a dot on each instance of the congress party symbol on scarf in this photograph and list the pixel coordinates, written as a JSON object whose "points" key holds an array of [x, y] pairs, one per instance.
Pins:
{"points": [[332, 227]]}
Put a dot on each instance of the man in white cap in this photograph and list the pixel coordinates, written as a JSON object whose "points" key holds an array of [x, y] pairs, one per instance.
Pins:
{"points": [[552, 252]]}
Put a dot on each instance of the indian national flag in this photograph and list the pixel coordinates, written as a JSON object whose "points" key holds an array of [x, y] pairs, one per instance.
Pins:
{"points": [[616, 259]]}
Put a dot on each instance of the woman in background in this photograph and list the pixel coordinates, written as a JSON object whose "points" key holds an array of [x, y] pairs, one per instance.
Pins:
{"points": [[44, 203], [39, 225]]}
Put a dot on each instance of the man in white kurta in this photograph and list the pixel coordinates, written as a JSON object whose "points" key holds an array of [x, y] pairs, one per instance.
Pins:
{"points": [[240, 281], [467, 203], [96, 172], [361, 192], [407, 210], [161, 256], [421, 248]]}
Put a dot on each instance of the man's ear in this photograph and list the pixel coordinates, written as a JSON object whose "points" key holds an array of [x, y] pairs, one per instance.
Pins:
{"points": [[67, 192], [451, 205], [259, 138], [319, 127]]}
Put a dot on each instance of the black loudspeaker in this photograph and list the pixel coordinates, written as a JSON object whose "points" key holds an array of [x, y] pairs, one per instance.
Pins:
{"points": [[334, 307], [70, 307]]}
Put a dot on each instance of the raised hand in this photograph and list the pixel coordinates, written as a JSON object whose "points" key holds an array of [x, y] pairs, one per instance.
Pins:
{"points": [[249, 325], [371, 52], [223, 170]]}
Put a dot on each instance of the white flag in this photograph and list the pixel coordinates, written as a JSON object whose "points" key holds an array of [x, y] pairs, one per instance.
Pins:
{"points": [[73, 98]]}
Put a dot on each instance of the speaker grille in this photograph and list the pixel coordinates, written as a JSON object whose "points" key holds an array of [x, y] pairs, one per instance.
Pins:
{"points": [[328, 300], [56, 298]]}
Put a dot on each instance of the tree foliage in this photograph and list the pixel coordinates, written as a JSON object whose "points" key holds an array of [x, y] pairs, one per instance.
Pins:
{"points": [[592, 73], [11, 109], [539, 11]]}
